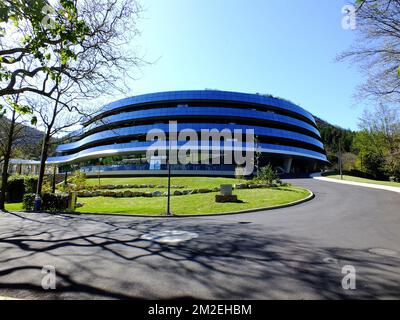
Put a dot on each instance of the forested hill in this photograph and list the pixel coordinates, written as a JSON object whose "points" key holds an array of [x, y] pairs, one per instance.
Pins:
{"points": [[27, 144], [331, 135]]}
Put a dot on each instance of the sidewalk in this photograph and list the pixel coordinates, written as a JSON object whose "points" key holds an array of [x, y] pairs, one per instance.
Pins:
{"points": [[317, 176]]}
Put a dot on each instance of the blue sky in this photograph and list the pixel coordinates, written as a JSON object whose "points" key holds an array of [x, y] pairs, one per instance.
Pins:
{"points": [[283, 47]]}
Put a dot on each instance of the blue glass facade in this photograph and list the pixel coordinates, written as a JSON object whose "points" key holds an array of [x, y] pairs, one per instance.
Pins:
{"points": [[282, 128]]}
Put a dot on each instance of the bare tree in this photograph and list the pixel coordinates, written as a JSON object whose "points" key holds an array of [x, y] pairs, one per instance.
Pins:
{"points": [[377, 48], [11, 130], [82, 54], [31, 30], [55, 118], [384, 120], [101, 65], [83, 40]]}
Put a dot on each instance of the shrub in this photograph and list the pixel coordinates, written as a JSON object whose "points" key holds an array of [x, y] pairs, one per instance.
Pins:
{"points": [[18, 185], [267, 175], [30, 184], [28, 202], [47, 185], [78, 179], [54, 202], [50, 202], [15, 189]]}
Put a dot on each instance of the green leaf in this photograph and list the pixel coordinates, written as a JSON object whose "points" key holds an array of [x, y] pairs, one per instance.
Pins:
{"points": [[34, 121]]}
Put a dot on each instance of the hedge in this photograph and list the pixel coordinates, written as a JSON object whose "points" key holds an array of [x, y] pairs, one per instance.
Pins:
{"points": [[18, 185], [30, 184], [15, 189], [51, 202]]}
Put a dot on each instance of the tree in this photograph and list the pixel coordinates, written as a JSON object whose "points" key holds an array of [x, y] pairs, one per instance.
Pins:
{"points": [[349, 161], [76, 50], [378, 142], [377, 48], [10, 132], [33, 30], [331, 136], [100, 65], [55, 117]]}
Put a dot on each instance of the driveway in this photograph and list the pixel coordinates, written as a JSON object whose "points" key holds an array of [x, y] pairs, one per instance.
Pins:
{"points": [[291, 253]]}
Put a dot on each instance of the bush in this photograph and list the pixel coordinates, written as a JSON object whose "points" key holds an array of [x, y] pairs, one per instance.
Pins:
{"points": [[15, 189], [28, 202], [267, 175], [30, 184], [18, 185], [54, 202], [50, 202], [78, 180]]}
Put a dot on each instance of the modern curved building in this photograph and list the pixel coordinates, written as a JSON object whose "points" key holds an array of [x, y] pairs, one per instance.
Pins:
{"points": [[113, 141]]}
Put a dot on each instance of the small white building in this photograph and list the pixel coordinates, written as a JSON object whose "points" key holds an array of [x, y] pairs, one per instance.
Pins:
{"points": [[23, 166]]}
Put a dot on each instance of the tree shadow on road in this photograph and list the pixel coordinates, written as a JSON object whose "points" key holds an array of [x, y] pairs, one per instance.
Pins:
{"points": [[105, 257]]}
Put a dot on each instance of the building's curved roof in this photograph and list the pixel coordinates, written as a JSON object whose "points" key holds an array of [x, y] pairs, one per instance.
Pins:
{"points": [[205, 95], [119, 127]]}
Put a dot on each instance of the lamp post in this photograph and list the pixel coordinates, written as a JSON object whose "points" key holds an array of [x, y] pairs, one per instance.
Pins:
{"points": [[169, 180], [98, 171], [340, 160], [53, 189]]}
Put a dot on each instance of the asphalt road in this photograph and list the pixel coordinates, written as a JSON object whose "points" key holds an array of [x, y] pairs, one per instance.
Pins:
{"points": [[292, 253]]}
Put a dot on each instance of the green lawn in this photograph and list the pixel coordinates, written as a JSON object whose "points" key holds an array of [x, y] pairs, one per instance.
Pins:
{"points": [[356, 179], [14, 206], [189, 182], [183, 205], [193, 204]]}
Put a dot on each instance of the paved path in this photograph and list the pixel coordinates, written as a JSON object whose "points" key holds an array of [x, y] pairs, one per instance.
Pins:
{"points": [[292, 253]]}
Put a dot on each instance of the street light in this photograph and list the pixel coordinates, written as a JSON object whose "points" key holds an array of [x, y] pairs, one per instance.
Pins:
{"points": [[340, 160], [169, 179], [53, 185], [98, 171]]}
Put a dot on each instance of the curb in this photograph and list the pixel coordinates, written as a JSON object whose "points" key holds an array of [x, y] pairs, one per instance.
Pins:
{"points": [[281, 206], [255, 210], [7, 298], [358, 184]]}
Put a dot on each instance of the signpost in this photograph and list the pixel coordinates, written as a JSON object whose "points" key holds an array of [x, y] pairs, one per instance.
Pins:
{"points": [[155, 164], [340, 161], [169, 187]]}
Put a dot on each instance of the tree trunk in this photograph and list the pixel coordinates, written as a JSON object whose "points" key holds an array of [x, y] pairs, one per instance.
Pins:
{"points": [[7, 156], [43, 158], [45, 148]]}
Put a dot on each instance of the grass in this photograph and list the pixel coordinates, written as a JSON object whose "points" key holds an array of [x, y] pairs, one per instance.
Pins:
{"points": [[357, 179], [193, 204], [183, 205], [189, 182], [14, 206]]}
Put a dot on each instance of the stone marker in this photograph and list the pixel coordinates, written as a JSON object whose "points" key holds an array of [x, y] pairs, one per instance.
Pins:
{"points": [[226, 189], [226, 194]]}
